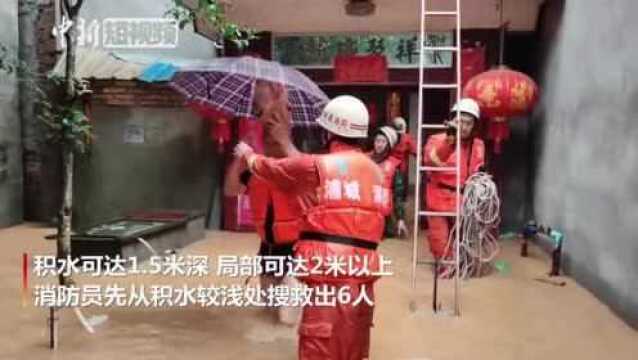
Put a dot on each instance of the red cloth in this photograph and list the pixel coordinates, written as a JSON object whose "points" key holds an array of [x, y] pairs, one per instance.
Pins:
{"points": [[473, 60], [340, 332], [360, 68], [372, 112], [403, 150], [440, 198]]}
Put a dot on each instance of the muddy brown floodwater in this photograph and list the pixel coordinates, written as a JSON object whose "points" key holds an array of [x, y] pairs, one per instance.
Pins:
{"points": [[503, 316]]}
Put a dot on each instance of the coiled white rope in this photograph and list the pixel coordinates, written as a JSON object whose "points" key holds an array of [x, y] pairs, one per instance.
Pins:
{"points": [[479, 222]]}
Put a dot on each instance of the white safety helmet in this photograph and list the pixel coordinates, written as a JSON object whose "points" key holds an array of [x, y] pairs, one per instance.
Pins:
{"points": [[468, 106], [345, 116], [400, 125], [391, 134]]}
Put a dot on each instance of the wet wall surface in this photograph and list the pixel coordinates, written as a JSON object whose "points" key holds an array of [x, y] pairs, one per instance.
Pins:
{"points": [[586, 147]]}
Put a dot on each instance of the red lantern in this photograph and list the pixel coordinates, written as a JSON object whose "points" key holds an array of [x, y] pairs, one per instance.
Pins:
{"points": [[502, 93], [221, 132]]}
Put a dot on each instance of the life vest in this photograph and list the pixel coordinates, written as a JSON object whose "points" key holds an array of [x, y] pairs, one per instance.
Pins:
{"points": [[389, 168], [286, 212], [351, 198], [440, 190], [403, 150]]}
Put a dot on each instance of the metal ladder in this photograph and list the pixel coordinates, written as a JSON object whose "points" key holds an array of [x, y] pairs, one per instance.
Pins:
{"points": [[423, 87]]}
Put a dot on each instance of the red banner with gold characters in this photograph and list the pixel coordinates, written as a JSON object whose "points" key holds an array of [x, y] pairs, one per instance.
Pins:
{"points": [[360, 68]]}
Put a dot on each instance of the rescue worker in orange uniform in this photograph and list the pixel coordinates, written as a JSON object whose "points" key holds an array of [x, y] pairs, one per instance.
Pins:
{"points": [[406, 146], [344, 200], [440, 150], [385, 139], [275, 214]]}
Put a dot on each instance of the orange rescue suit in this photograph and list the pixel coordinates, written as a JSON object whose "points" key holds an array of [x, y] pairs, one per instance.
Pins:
{"points": [[285, 227], [343, 218], [389, 168], [403, 150], [440, 189]]}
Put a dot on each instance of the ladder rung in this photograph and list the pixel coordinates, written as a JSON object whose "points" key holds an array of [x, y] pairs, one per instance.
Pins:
{"points": [[431, 262], [425, 262], [437, 213], [440, 86], [437, 168], [441, 13], [433, 126], [440, 48]]}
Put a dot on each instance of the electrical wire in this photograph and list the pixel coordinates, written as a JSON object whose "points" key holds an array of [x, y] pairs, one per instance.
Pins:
{"points": [[480, 209]]}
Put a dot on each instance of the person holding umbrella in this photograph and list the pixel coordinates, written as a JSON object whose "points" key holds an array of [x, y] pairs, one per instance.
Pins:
{"points": [[342, 217], [275, 215], [279, 97]]}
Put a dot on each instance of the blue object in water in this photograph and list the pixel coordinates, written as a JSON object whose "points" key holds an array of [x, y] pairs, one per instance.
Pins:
{"points": [[159, 71], [557, 236], [530, 230]]}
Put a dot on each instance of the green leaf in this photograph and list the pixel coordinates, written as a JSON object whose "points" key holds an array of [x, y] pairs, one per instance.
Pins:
{"points": [[213, 8]]}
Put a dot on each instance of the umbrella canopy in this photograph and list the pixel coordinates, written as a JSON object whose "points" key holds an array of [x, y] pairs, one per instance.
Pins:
{"points": [[228, 85]]}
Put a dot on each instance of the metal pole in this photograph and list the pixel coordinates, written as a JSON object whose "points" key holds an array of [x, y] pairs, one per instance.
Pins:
{"points": [[457, 234], [417, 190], [53, 328], [501, 53], [435, 295]]}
